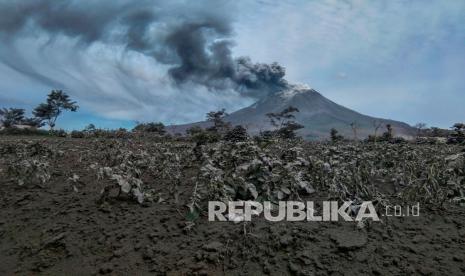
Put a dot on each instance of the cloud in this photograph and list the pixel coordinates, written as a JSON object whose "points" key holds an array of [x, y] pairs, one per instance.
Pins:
{"points": [[174, 60], [132, 59], [386, 47]]}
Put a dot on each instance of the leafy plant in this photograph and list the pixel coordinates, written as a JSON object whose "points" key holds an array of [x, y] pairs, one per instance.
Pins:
{"points": [[30, 172]]}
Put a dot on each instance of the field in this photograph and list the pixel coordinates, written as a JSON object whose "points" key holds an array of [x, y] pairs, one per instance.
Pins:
{"points": [[138, 206]]}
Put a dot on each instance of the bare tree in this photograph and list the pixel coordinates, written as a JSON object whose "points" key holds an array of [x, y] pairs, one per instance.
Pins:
{"points": [[377, 125], [354, 126], [389, 134], [419, 127]]}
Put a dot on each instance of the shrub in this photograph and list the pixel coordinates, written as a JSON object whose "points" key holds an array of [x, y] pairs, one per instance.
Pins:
{"points": [[237, 134], [458, 136], [23, 131], [157, 128], [77, 134], [58, 133]]}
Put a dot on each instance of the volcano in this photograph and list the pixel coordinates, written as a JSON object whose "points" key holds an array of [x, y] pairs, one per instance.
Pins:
{"points": [[316, 113]]}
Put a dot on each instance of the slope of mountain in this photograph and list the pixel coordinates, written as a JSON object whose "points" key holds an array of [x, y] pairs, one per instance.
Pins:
{"points": [[317, 114]]}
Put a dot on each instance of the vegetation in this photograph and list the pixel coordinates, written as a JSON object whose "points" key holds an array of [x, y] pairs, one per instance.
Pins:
{"points": [[242, 168], [57, 102], [12, 117], [237, 134], [420, 127], [335, 136], [458, 135], [156, 128], [284, 124], [220, 126], [354, 126]]}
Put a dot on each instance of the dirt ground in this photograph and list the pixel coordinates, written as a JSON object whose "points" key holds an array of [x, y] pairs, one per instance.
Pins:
{"points": [[62, 229]]}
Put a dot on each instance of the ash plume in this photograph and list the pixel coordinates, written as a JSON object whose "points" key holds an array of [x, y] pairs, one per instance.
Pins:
{"points": [[193, 43]]}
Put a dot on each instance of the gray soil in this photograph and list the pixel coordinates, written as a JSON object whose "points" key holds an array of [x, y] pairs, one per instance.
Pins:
{"points": [[55, 230]]}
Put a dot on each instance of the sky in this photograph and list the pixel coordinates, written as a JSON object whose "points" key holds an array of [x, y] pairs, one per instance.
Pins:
{"points": [[173, 61]]}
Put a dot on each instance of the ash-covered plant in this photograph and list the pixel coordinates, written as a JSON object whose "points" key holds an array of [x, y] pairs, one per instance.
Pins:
{"points": [[237, 134], [127, 183], [244, 171], [124, 164], [30, 162], [388, 172], [29, 172], [123, 168]]}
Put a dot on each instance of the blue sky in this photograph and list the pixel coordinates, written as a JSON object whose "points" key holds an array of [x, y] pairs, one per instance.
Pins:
{"points": [[402, 60]]}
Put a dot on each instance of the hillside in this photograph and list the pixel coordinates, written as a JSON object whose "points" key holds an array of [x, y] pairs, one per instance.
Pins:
{"points": [[317, 113]]}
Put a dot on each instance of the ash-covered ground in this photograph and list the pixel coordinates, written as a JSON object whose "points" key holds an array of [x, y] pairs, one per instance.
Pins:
{"points": [[138, 206]]}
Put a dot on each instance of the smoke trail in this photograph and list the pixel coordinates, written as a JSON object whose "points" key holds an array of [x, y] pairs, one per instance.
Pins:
{"points": [[194, 43]]}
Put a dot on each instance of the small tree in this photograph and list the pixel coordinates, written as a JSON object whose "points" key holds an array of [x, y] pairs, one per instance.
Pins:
{"points": [[435, 132], [335, 137], [420, 127], [57, 102], [459, 128], [376, 125], [354, 126], [11, 116], [388, 135], [459, 133], [284, 122], [90, 128], [219, 125]]}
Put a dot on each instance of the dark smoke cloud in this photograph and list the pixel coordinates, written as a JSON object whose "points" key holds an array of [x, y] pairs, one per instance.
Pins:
{"points": [[194, 43]]}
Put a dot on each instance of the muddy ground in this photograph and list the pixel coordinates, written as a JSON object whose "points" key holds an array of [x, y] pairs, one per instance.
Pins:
{"points": [[62, 229]]}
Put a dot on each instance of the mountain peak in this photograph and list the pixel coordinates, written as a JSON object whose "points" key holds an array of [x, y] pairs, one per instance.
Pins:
{"points": [[293, 90], [316, 113]]}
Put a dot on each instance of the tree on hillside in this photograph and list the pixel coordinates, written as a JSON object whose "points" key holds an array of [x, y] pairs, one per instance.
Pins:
{"points": [[11, 116], [57, 102], [219, 124], [284, 122], [420, 127], [376, 125], [458, 136], [335, 136], [354, 126], [388, 135]]}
